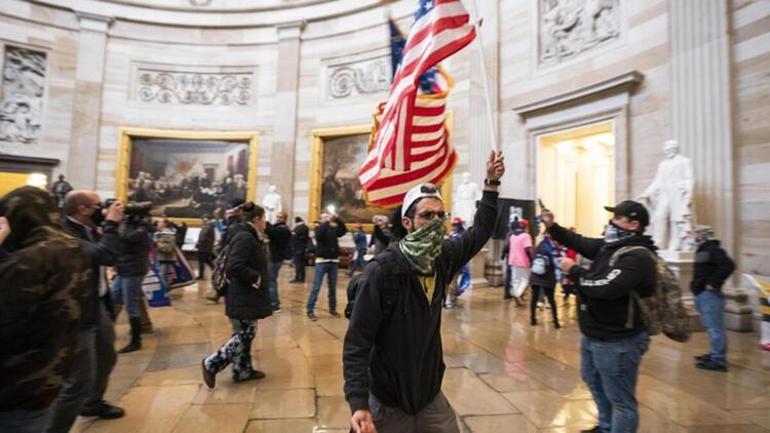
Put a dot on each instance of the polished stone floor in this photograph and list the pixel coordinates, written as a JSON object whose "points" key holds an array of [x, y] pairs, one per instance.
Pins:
{"points": [[503, 375]]}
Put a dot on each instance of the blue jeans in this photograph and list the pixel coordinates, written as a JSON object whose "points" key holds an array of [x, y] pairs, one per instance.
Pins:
{"points": [[611, 369], [358, 262], [330, 269], [711, 306], [275, 267], [25, 421], [127, 290]]}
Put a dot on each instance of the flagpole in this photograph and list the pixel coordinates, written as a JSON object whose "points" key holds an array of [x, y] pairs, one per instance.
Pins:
{"points": [[484, 79]]}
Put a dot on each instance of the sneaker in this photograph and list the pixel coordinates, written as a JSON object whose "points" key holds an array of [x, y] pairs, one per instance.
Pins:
{"points": [[540, 305], [209, 378], [449, 305], [596, 429], [251, 375], [334, 314], [711, 366], [104, 410], [702, 358], [312, 317], [277, 311]]}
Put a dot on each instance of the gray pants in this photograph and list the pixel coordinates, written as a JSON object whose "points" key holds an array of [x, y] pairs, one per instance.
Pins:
{"points": [[94, 357], [436, 417]]}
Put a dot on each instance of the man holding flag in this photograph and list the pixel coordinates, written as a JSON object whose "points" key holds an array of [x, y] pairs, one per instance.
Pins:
{"points": [[392, 356]]}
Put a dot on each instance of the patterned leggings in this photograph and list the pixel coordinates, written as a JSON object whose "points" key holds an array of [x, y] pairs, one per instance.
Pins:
{"points": [[237, 351]]}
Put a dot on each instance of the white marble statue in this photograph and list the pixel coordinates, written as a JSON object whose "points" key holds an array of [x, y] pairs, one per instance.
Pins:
{"points": [[670, 195], [465, 198], [272, 204]]}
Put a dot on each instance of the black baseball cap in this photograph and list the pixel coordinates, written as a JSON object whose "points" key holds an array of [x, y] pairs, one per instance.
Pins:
{"points": [[632, 210]]}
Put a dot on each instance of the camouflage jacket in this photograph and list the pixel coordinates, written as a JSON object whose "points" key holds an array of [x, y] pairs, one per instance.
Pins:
{"points": [[43, 287]]}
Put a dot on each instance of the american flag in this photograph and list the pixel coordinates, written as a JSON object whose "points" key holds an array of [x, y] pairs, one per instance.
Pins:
{"points": [[410, 142]]}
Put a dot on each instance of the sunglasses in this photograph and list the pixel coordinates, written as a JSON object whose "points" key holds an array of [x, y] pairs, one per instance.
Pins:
{"points": [[429, 215]]}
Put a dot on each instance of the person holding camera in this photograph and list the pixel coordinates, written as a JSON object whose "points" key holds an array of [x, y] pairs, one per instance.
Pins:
{"points": [[165, 249], [327, 252], [46, 287], [614, 335], [83, 391], [131, 267], [247, 299]]}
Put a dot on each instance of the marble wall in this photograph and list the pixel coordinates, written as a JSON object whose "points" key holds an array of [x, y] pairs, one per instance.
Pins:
{"points": [[283, 77]]}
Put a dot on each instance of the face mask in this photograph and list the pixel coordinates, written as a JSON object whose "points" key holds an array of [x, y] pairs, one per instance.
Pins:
{"points": [[97, 217], [614, 233], [423, 246]]}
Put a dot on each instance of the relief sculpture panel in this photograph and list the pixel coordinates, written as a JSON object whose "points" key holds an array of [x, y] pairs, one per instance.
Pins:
{"points": [[359, 78], [21, 109], [568, 28], [194, 88]]}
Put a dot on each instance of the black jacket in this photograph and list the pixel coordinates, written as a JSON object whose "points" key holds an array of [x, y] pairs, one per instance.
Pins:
{"points": [[603, 290], [233, 226], [246, 265], [299, 239], [280, 242], [134, 250], [549, 278], [206, 238], [394, 351], [102, 252], [380, 239], [326, 244], [712, 267]]}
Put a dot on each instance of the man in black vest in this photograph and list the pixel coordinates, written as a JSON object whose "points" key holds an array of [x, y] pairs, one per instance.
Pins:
{"points": [[300, 239]]}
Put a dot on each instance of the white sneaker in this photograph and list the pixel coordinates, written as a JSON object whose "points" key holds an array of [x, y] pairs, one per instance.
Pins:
{"points": [[278, 311]]}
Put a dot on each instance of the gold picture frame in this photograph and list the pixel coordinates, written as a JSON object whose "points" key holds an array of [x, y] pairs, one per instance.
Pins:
{"points": [[128, 135], [320, 138]]}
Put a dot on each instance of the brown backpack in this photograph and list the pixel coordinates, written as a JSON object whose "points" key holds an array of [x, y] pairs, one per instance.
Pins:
{"points": [[663, 311]]}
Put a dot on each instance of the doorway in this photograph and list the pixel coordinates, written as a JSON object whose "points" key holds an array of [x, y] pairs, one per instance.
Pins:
{"points": [[576, 175]]}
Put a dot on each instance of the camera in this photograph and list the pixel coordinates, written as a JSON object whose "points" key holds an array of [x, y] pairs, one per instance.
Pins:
{"points": [[134, 212]]}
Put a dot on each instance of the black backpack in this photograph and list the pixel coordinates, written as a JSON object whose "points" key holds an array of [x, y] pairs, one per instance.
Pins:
{"points": [[390, 294], [219, 273]]}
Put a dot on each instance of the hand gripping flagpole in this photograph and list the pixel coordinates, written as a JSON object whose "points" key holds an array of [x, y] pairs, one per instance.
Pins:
{"points": [[485, 81]]}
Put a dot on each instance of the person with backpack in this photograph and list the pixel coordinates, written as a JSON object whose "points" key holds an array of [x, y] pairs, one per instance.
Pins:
{"points": [[392, 358], [233, 225], [542, 278], [712, 268], [247, 299], [615, 336]]}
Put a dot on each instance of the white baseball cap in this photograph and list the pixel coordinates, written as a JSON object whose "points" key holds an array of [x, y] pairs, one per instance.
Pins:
{"points": [[420, 191]]}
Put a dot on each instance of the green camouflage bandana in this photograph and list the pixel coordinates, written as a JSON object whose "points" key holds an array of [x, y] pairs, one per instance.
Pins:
{"points": [[423, 246]]}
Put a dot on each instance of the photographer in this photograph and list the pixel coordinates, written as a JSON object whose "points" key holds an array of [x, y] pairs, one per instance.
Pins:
{"points": [[131, 267], [83, 390]]}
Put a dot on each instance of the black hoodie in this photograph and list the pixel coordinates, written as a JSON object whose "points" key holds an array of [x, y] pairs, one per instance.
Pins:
{"points": [[607, 312], [712, 267]]}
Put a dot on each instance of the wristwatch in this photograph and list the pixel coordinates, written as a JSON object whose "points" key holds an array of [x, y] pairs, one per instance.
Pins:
{"points": [[491, 182]]}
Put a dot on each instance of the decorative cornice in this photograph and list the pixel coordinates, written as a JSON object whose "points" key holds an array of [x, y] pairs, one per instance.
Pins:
{"points": [[94, 22], [625, 82], [291, 30]]}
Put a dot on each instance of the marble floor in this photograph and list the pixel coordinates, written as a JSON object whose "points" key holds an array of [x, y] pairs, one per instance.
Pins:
{"points": [[503, 375]]}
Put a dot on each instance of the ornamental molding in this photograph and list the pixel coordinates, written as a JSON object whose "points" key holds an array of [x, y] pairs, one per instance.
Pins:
{"points": [[194, 85], [568, 28], [359, 77], [23, 94]]}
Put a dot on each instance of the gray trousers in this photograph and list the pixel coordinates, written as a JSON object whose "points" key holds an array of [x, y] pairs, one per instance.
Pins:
{"points": [[94, 358], [437, 417]]}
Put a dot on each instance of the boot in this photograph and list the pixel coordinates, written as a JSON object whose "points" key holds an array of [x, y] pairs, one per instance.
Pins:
{"points": [[136, 336]]}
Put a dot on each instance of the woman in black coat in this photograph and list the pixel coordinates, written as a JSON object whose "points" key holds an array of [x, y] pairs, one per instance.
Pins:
{"points": [[247, 299]]}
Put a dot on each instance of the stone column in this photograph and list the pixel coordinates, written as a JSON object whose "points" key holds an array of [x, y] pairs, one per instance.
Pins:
{"points": [[701, 107], [480, 136], [87, 102], [285, 119]]}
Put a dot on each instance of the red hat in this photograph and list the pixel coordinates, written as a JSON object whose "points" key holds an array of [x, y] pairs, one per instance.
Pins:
{"points": [[359, 226], [457, 220], [523, 223]]}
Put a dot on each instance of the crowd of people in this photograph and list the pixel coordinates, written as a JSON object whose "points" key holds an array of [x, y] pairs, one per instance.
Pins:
{"points": [[59, 306]]}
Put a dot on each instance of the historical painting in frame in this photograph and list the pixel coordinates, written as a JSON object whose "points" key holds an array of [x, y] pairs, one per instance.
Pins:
{"points": [[186, 174], [338, 154]]}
